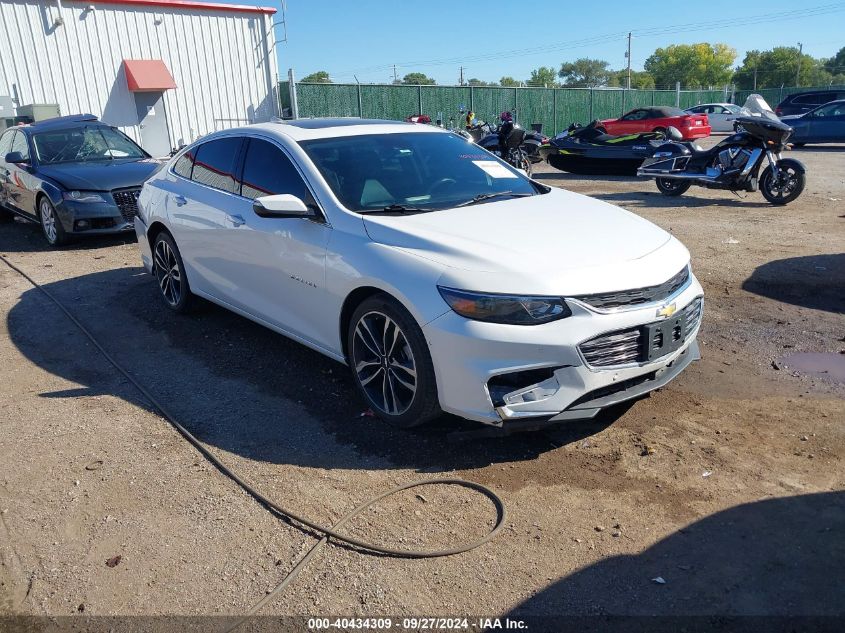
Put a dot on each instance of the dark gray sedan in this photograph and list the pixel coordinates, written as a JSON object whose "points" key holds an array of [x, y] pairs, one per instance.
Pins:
{"points": [[73, 175], [825, 124]]}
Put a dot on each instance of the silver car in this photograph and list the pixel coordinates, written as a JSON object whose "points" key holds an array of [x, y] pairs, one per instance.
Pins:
{"points": [[720, 115]]}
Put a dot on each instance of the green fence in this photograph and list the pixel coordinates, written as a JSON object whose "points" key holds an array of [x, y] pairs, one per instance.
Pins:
{"points": [[554, 108]]}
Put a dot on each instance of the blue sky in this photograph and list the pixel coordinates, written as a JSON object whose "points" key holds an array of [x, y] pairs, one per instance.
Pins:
{"points": [[495, 38]]}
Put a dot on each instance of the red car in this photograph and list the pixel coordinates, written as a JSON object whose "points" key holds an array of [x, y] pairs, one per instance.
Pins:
{"points": [[658, 119]]}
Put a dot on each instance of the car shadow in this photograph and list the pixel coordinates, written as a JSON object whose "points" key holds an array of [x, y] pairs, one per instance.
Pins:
{"points": [[778, 558], [241, 387], [656, 199], [813, 281], [565, 176], [25, 236]]}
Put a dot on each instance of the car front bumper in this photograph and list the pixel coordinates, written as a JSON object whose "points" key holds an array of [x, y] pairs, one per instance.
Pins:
{"points": [[561, 384], [100, 218], [144, 244]]}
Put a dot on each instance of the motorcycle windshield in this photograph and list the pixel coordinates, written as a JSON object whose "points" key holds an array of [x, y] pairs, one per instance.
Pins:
{"points": [[758, 106]]}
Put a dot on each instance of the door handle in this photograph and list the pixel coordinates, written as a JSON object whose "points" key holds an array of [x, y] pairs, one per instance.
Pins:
{"points": [[180, 200], [236, 220]]}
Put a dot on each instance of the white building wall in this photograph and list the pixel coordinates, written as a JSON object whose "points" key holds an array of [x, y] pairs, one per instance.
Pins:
{"points": [[223, 62]]}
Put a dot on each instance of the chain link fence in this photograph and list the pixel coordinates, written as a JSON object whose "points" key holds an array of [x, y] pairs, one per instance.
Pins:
{"points": [[553, 108]]}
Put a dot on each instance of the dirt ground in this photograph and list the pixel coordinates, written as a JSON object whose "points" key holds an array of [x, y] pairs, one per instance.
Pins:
{"points": [[727, 484]]}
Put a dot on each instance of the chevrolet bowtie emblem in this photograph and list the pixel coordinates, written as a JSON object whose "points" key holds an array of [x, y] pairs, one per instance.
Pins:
{"points": [[667, 311]]}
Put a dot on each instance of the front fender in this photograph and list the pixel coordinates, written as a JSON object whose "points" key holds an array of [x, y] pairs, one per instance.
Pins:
{"points": [[797, 165]]}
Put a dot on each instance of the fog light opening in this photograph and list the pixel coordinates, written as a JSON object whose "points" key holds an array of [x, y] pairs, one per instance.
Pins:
{"points": [[526, 384]]}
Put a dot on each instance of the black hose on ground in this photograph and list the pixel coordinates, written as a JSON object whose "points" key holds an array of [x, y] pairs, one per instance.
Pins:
{"points": [[280, 510]]}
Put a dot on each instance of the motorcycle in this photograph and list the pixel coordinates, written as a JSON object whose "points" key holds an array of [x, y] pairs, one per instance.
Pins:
{"points": [[734, 164], [486, 135]]}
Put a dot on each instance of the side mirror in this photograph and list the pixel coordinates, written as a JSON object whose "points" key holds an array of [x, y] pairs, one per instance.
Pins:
{"points": [[16, 158], [282, 205], [674, 134]]}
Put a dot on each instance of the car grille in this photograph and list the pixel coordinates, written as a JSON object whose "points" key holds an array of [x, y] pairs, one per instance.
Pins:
{"points": [[624, 347], [638, 296], [127, 202]]}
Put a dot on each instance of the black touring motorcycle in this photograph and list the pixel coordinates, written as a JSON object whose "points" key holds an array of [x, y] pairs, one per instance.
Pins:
{"points": [[734, 164]]}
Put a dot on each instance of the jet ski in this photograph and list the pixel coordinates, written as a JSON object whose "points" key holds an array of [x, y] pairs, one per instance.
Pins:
{"points": [[591, 150]]}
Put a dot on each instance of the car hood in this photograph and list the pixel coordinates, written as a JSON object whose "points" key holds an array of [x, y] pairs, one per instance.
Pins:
{"points": [[101, 176], [559, 243]]}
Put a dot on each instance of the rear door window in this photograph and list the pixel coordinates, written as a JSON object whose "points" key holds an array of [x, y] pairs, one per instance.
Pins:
{"points": [[6, 143], [215, 164], [268, 171]]}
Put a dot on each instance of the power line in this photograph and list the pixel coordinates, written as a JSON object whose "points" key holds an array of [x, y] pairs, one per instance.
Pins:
{"points": [[609, 37]]}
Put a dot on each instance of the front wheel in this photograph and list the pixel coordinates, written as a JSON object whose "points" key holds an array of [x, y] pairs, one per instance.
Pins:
{"points": [[783, 186], [169, 271], [390, 363], [672, 187]]}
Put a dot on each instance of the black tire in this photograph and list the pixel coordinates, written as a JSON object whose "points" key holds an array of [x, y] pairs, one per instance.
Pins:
{"points": [[660, 130], [395, 378], [672, 187], [6, 216], [51, 225], [782, 193], [169, 272]]}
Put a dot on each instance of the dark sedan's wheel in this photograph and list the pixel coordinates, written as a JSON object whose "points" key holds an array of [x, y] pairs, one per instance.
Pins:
{"points": [[390, 363], [51, 226], [672, 186], [170, 274], [783, 186]]}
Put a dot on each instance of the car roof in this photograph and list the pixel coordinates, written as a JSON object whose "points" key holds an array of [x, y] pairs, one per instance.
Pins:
{"points": [[828, 91], [664, 111], [62, 122], [307, 129]]}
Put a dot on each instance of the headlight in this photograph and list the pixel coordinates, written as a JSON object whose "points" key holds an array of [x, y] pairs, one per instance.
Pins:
{"points": [[83, 196], [511, 309]]}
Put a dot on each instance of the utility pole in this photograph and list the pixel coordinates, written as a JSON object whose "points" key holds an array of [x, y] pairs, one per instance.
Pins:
{"points": [[628, 55], [798, 70], [755, 78], [395, 76], [461, 79]]}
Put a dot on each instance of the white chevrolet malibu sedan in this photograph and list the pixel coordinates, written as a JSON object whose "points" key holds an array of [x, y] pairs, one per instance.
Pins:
{"points": [[445, 279]]}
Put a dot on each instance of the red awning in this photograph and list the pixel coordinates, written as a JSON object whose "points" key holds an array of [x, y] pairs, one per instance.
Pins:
{"points": [[147, 75]]}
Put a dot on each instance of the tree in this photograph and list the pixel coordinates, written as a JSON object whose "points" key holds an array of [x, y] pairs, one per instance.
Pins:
{"points": [[836, 64], [418, 79], [640, 80], [585, 73], [319, 77], [543, 76], [509, 82], [694, 65], [478, 82], [778, 67]]}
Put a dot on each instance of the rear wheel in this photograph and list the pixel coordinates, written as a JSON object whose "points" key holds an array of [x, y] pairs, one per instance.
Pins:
{"points": [[672, 187], [51, 226], [660, 130], [391, 364], [783, 186]]}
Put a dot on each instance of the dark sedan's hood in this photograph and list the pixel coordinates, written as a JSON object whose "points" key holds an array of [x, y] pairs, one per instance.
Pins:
{"points": [[101, 175]]}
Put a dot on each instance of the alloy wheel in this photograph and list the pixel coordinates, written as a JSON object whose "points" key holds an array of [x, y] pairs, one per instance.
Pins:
{"points": [[48, 222], [781, 184], [384, 363], [168, 273]]}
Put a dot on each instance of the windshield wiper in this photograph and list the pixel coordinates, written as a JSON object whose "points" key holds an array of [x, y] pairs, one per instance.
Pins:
{"points": [[489, 196], [395, 208]]}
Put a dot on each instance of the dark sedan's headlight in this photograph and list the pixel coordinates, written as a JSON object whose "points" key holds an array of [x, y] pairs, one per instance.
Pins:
{"points": [[84, 196], [509, 309]]}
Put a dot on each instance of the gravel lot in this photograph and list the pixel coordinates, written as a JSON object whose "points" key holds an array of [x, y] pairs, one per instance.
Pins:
{"points": [[728, 483]]}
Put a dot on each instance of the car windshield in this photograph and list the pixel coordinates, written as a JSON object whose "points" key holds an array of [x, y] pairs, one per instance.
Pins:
{"points": [[413, 171], [84, 144]]}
